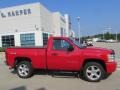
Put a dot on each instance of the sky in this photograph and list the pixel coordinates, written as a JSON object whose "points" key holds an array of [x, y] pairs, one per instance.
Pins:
{"points": [[96, 16]]}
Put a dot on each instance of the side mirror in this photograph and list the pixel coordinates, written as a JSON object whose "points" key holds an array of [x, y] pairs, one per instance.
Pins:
{"points": [[70, 48]]}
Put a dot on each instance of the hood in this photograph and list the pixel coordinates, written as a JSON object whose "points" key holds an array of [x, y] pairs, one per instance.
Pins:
{"points": [[96, 53], [98, 49]]}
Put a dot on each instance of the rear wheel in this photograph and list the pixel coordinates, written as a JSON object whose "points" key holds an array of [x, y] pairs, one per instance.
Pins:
{"points": [[24, 69], [93, 72]]}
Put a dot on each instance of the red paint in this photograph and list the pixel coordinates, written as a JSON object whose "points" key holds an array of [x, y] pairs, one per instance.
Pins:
{"points": [[111, 67], [47, 58]]}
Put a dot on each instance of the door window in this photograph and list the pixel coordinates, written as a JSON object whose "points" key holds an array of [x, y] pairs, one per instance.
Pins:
{"points": [[60, 44]]}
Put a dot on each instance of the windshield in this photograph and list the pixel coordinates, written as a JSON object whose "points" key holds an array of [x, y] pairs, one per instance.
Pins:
{"points": [[77, 43]]}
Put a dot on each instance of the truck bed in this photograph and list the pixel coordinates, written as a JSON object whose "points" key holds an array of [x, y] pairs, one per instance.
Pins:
{"points": [[37, 55]]}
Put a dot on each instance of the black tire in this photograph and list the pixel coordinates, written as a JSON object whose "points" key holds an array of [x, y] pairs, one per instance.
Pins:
{"points": [[24, 69], [107, 75], [95, 74]]}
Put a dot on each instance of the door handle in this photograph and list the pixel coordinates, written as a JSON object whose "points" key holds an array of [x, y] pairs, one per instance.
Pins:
{"points": [[54, 54]]}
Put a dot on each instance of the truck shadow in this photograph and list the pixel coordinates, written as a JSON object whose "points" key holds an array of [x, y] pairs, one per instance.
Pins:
{"points": [[56, 74], [19, 88], [59, 74], [24, 88]]}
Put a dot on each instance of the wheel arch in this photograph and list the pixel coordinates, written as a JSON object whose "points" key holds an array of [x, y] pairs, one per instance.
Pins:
{"points": [[19, 59], [101, 62]]}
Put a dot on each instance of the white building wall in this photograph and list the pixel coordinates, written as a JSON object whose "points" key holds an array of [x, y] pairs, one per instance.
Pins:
{"points": [[17, 39], [59, 22], [38, 38], [46, 19], [68, 24], [22, 22], [56, 25], [38, 21], [63, 25]]}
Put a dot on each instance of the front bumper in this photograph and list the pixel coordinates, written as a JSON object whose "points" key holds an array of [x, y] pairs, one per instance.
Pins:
{"points": [[111, 67]]}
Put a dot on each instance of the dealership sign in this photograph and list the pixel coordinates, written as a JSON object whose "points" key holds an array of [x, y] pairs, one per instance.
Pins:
{"points": [[15, 13]]}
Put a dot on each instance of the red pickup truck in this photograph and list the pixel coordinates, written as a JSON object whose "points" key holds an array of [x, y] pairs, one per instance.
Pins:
{"points": [[62, 54]]}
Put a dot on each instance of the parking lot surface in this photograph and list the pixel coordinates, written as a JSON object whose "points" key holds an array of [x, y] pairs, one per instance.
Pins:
{"points": [[10, 81]]}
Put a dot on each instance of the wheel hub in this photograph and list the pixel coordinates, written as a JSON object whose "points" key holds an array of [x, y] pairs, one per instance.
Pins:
{"points": [[23, 70], [93, 72]]}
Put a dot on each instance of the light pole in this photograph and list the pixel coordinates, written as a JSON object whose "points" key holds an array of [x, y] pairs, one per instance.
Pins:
{"points": [[116, 36], [104, 33], [110, 32], [78, 20]]}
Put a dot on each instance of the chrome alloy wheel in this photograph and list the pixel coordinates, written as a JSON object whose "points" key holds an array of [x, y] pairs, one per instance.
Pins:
{"points": [[93, 72], [23, 70]]}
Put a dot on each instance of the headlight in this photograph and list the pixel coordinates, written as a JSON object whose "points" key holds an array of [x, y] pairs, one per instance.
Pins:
{"points": [[111, 57]]}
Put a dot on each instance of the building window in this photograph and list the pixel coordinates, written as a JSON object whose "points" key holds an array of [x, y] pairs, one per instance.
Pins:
{"points": [[45, 39], [27, 39], [8, 41]]}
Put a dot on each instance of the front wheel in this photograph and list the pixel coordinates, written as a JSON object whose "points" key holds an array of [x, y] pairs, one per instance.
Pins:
{"points": [[93, 72], [24, 69]]}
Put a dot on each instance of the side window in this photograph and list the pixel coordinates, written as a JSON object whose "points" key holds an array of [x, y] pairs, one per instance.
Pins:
{"points": [[60, 44]]}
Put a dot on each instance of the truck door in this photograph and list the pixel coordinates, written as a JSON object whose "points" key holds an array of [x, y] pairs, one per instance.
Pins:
{"points": [[63, 56]]}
